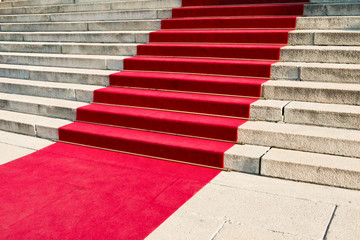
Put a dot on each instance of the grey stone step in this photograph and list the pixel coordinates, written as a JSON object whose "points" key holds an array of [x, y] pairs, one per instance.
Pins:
{"points": [[63, 60], [37, 2], [312, 167], [83, 36], [327, 23], [67, 91], [321, 54], [114, 49], [88, 16], [319, 72], [129, 25], [320, 114], [335, 141], [329, 9], [91, 7], [324, 37], [32, 125], [321, 92], [49, 107], [56, 74], [20, 140]]}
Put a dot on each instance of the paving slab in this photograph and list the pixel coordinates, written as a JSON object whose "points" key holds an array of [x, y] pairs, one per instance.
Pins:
{"points": [[257, 211], [345, 224], [10, 152]]}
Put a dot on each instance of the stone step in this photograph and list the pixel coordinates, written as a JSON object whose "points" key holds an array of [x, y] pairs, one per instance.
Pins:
{"points": [[328, 23], [20, 140], [321, 54], [329, 9], [129, 25], [312, 167], [36, 2], [49, 107], [63, 60], [32, 125], [83, 36], [88, 16], [56, 74], [67, 91], [320, 92], [318, 72], [335, 141], [114, 49], [91, 7], [320, 114], [325, 37]]}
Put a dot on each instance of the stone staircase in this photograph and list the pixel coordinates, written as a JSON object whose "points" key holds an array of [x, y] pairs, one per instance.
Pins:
{"points": [[306, 127]]}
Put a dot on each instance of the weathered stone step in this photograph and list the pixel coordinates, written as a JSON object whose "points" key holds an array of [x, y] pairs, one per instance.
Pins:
{"points": [[36, 2], [129, 25], [56, 74], [88, 16], [91, 7], [84, 36], [63, 60], [49, 107], [328, 23], [312, 167], [341, 142], [318, 72], [320, 114], [114, 49], [330, 9], [324, 37], [20, 140], [32, 125], [67, 91], [337, 93], [321, 54]]}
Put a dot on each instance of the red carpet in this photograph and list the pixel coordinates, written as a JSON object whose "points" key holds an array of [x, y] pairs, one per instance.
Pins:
{"points": [[182, 98], [71, 192]]}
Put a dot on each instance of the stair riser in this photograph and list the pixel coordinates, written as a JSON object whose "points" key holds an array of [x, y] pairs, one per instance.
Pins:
{"points": [[78, 26], [224, 23], [103, 6], [350, 56], [328, 23], [78, 37], [37, 109], [59, 93], [222, 37], [339, 147], [332, 9], [97, 49], [121, 15], [311, 94], [322, 118], [211, 51], [221, 68], [88, 63], [316, 72], [279, 10], [64, 77]]}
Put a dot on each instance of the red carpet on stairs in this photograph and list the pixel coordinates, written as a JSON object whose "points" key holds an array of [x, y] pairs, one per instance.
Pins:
{"points": [[181, 99]]}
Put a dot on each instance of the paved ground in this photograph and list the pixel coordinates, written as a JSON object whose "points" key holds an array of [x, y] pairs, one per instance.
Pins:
{"points": [[243, 206]]}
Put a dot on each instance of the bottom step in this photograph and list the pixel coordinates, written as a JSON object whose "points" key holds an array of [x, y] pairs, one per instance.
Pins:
{"points": [[312, 167]]}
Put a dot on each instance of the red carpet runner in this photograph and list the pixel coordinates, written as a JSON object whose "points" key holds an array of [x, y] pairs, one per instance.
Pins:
{"points": [[182, 98]]}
